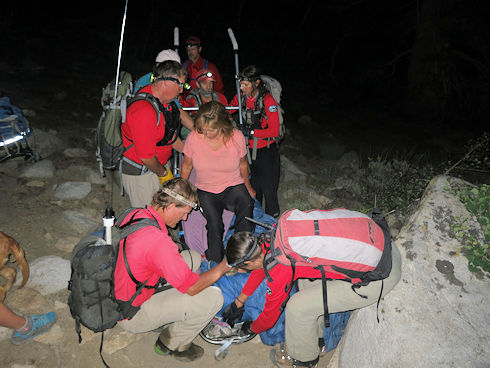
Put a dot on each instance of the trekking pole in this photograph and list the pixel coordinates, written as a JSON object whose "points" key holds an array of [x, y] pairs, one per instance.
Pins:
{"points": [[109, 212], [176, 39], [120, 49], [237, 84], [176, 155], [263, 224]]}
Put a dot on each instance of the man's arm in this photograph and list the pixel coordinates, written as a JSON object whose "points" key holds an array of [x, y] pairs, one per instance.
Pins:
{"points": [[154, 165], [186, 119], [208, 278]]}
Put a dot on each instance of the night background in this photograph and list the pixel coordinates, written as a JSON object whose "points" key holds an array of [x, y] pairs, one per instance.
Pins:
{"points": [[411, 74]]}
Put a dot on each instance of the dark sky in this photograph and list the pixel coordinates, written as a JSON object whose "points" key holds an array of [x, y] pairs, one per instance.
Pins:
{"points": [[326, 53]]}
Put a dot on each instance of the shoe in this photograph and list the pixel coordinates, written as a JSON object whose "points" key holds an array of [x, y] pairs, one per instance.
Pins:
{"points": [[281, 358], [321, 345], [39, 324], [193, 352]]}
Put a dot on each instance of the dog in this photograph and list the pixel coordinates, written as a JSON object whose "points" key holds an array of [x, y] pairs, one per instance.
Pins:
{"points": [[10, 247]]}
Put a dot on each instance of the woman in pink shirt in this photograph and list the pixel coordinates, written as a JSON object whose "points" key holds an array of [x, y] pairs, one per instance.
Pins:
{"points": [[217, 153]]}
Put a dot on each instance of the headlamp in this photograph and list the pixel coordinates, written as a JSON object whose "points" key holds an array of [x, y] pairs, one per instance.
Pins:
{"points": [[177, 196], [207, 74], [247, 256]]}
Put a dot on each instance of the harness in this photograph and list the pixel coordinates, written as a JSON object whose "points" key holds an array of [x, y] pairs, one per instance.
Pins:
{"points": [[171, 114], [197, 96], [252, 119], [204, 65]]}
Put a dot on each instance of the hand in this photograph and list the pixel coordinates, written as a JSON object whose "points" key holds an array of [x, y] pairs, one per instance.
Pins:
{"points": [[246, 330], [167, 176], [232, 314], [251, 191]]}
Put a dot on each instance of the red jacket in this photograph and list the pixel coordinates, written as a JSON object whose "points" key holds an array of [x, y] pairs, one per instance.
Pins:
{"points": [[141, 130], [276, 293], [194, 68], [270, 124]]}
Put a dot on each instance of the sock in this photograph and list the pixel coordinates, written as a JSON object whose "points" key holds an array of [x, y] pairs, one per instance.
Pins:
{"points": [[27, 326]]}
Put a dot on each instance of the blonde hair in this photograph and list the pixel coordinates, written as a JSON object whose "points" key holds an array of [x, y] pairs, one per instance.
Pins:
{"points": [[213, 115], [178, 185]]}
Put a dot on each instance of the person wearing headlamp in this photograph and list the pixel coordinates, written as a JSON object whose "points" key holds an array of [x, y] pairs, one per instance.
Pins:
{"points": [[203, 93], [305, 309], [148, 142], [186, 302], [261, 125], [195, 63]]}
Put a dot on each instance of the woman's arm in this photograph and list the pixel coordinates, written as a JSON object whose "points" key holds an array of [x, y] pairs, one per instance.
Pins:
{"points": [[245, 175], [186, 167]]}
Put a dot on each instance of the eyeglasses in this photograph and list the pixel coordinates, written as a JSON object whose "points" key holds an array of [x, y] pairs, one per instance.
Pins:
{"points": [[184, 85], [207, 74]]}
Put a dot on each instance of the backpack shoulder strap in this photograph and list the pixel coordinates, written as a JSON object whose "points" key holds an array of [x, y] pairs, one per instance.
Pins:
{"points": [[204, 63], [152, 100], [186, 63]]}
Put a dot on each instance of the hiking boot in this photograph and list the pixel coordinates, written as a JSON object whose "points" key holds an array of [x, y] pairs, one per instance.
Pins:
{"points": [[281, 358], [193, 352], [36, 325]]}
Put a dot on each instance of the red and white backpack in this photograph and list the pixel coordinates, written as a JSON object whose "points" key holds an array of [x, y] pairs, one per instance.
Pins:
{"points": [[352, 244]]}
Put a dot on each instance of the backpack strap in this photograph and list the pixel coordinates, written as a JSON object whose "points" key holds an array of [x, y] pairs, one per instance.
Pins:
{"points": [[204, 63]]}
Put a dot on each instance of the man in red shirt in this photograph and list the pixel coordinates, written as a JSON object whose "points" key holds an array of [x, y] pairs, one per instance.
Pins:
{"points": [[191, 302], [148, 144], [195, 63]]}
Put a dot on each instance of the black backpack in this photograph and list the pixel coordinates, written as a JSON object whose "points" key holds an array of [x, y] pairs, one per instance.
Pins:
{"points": [[92, 301]]}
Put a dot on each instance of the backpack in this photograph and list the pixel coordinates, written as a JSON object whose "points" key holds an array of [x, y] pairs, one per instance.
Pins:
{"points": [[275, 89], [92, 300], [110, 147], [108, 135], [349, 243]]}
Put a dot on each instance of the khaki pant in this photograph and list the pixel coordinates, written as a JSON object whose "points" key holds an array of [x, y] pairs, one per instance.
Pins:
{"points": [[304, 311], [140, 188], [184, 315]]}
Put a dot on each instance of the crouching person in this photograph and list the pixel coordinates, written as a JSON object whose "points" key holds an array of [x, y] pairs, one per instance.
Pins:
{"points": [[304, 310], [188, 302]]}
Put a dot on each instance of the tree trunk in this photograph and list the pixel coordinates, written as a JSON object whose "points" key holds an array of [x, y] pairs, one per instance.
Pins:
{"points": [[427, 89]]}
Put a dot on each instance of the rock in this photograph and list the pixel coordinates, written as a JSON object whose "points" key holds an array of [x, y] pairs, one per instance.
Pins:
{"points": [[27, 300], [15, 365], [349, 160], [78, 222], [120, 341], [46, 143], [94, 177], [73, 190], [35, 184], [66, 243], [318, 200], [75, 152], [49, 274], [291, 173], [52, 337], [437, 316], [5, 333], [40, 169]]}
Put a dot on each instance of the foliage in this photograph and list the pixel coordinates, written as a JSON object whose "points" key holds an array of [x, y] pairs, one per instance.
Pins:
{"points": [[392, 184], [477, 157], [477, 201]]}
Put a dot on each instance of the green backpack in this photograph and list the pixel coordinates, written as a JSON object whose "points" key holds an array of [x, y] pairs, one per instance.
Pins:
{"points": [[108, 136]]}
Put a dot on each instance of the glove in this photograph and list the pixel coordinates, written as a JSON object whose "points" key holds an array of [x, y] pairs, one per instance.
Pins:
{"points": [[233, 314], [246, 330], [167, 177]]}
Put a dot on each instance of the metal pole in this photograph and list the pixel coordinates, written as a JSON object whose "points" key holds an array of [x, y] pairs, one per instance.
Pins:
{"points": [[176, 39], [120, 50], [176, 155]]}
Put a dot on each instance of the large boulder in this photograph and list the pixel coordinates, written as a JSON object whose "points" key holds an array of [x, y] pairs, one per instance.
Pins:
{"points": [[438, 315]]}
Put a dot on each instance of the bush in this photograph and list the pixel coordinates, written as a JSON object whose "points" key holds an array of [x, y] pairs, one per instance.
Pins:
{"points": [[477, 202]]}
